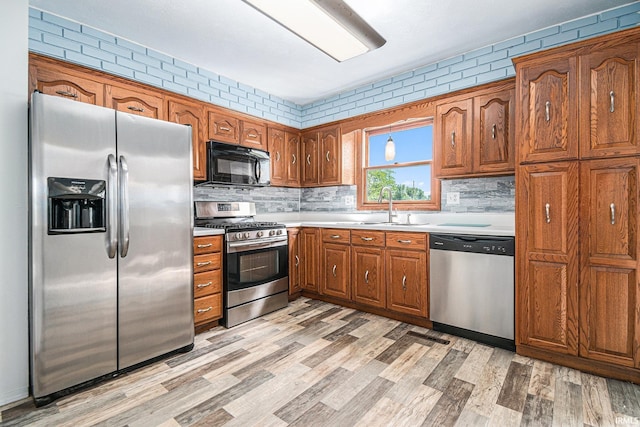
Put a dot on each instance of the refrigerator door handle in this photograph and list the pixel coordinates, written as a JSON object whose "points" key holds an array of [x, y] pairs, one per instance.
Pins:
{"points": [[112, 213], [124, 207]]}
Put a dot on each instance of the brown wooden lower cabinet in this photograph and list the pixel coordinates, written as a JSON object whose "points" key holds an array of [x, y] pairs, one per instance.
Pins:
{"points": [[207, 280], [309, 255], [294, 261], [407, 281], [368, 278]]}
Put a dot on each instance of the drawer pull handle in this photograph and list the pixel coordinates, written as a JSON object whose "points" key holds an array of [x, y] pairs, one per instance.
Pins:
{"points": [[404, 241], [335, 236], [204, 310], [67, 93], [612, 206], [404, 283], [547, 213], [297, 260], [366, 277], [327, 156], [493, 131], [277, 156], [547, 107], [453, 139], [208, 245], [333, 270], [224, 128], [202, 264], [367, 239], [204, 285], [293, 161], [308, 159], [252, 135], [136, 109], [612, 99]]}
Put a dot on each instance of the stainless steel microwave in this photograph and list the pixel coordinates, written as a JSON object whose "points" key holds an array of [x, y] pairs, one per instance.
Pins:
{"points": [[236, 165]]}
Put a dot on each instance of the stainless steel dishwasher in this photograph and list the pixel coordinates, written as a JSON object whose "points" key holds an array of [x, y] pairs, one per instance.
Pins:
{"points": [[471, 285]]}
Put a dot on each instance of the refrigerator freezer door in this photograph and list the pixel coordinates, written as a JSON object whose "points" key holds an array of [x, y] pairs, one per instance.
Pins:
{"points": [[73, 290], [155, 297]]}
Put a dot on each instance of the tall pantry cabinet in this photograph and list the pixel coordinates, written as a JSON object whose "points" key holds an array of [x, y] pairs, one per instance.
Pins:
{"points": [[577, 284]]}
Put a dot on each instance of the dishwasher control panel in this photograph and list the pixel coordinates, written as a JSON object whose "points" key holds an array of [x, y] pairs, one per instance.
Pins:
{"points": [[492, 245]]}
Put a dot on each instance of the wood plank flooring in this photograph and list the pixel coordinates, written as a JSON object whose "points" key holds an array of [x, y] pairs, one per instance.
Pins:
{"points": [[317, 364]]}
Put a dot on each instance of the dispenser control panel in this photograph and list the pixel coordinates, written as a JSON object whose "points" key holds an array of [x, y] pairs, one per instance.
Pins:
{"points": [[76, 205]]}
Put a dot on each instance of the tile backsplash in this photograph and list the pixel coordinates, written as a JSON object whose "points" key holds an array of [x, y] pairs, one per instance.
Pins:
{"points": [[478, 195]]}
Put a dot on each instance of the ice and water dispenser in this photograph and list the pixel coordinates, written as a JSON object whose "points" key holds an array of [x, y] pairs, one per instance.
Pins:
{"points": [[76, 205]]}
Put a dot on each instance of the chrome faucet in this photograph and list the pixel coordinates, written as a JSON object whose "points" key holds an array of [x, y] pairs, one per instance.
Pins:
{"points": [[388, 189]]}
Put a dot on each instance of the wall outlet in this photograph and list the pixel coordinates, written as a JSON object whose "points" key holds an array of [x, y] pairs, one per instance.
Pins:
{"points": [[453, 198], [348, 200]]}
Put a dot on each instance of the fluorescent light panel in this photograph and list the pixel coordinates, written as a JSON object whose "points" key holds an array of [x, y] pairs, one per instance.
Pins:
{"points": [[329, 25]]}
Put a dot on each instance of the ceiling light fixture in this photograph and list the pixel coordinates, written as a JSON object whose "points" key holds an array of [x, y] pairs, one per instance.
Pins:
{"points": [[330, 25]]}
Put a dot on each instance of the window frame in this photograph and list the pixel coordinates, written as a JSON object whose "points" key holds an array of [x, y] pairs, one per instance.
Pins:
{"points": [[402, 205]]}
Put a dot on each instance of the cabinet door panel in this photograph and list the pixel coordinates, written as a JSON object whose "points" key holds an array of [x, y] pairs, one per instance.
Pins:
{"points": [[548, 111], [292, 141], [368, 276], [58, 83], [551, 307], [330, 160], [224, 128], [254, 135], [336, 261], [608, 107], [310, 159], [610, 317], [309, 248], [278, 156], [129, 100], [407, 289], [294, 261], [609, 202], [494, 132], [192, 114], [453, 142], [552, 207]]}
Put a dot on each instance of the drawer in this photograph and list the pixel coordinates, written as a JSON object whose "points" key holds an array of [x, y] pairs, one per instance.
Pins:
{"points": [[367, 238], [207, 308], [206, 244], [336, 235], [207, 262], [403, 240], [207, 283]]}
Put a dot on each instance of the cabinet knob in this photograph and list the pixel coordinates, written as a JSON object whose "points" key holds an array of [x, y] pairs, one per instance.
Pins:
{"points": [[293, 159], [366, 277], [404, 283], [547, 208], [203, 285], [547, 108], [327, 156], [453, 139], [136, 109], [493, 131], [612, 207], [612, 100], [208, 245], [308, 159], [204, 310], [74, 95], [333, 270], [297, 260], [202, 264]]}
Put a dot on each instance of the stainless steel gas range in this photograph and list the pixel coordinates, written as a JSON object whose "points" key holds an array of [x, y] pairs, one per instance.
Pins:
{"points": [[255, 266]]}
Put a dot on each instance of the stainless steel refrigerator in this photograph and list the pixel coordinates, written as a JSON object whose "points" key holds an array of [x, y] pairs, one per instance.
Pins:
{"points": [[111, 242]]}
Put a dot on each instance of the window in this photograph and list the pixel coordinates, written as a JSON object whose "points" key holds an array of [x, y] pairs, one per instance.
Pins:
{"points": [[409, 173]]}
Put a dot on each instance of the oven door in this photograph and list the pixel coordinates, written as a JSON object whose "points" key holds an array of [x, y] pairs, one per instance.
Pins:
{"points": [[253, 264]]}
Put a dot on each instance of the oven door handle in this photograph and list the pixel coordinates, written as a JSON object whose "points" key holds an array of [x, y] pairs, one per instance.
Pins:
{"points": [[233, 247]]}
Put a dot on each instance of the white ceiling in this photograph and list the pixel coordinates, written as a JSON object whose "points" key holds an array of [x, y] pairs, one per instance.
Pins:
{"points": [[230, 38]]}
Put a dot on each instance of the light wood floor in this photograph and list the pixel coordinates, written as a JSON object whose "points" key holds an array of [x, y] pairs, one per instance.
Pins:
{"points": [[317, 364]]}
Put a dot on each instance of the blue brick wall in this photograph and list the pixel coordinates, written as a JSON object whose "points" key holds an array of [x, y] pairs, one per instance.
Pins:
{"points": [[64, 39], [473, 68], [60, 38]]}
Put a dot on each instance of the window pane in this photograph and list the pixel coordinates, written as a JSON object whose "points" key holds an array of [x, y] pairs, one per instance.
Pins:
{"points": [[411, 145], [407, 183]]}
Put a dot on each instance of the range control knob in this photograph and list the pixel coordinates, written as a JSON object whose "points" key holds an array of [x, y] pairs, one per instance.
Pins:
{"points": [[260, 233], [246, 235], [279, 232], [272, 232], [238, 236]]}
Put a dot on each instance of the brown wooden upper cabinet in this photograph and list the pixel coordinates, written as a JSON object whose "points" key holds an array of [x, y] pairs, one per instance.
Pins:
{"points": [[608, 102], [224, 127], [453, 141], [134, 101], [328, 157], [192, 113], [474, 134], [284, 148], [55, 80], [253, 135], [548, 106]]}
